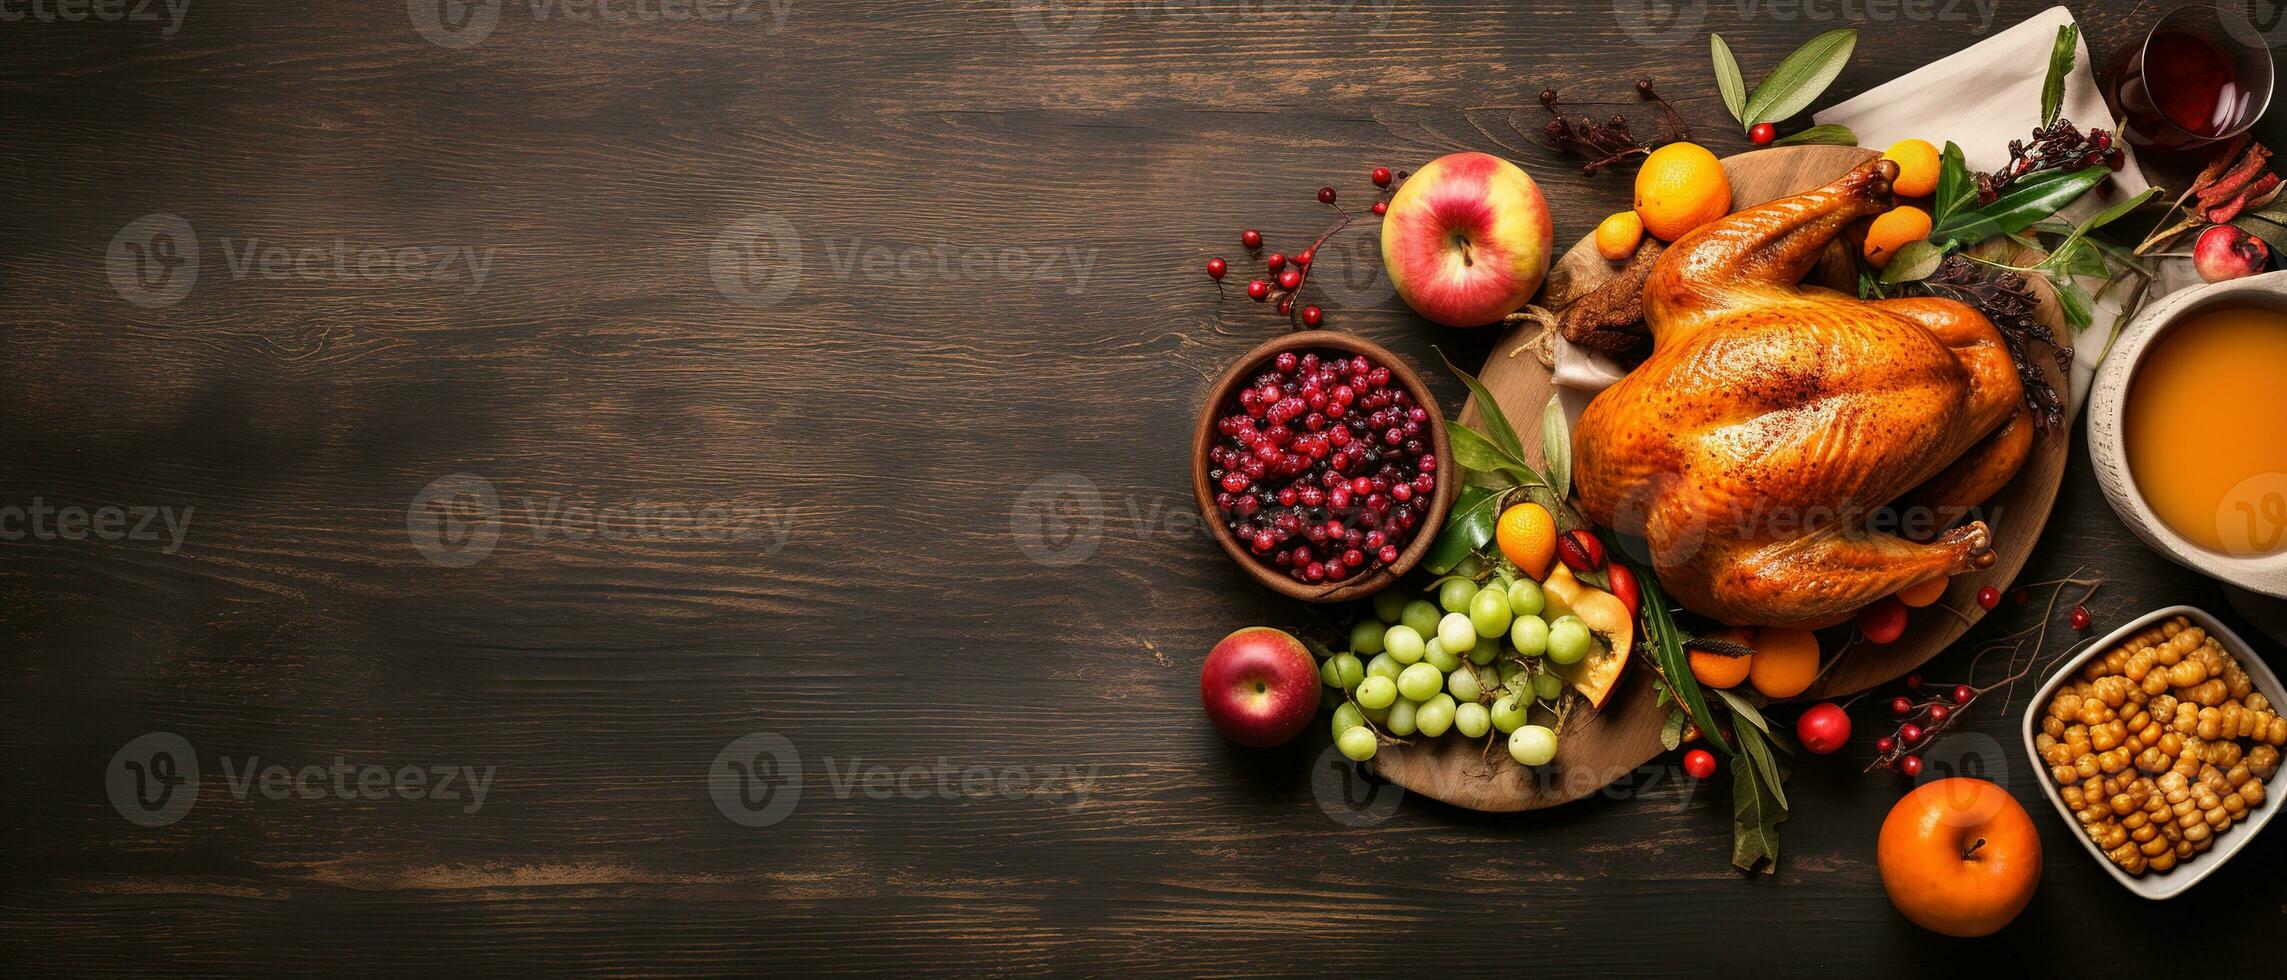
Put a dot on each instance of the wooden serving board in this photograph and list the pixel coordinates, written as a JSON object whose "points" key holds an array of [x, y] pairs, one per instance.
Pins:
{"points": [[1597, 748]]}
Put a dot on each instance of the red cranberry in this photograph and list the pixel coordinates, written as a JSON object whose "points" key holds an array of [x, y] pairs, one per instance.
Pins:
{"points": [[1988, 597], [1312, 316], [1274, 262], [1251, 238], [1326, 195], [1962, 693], [1938, 713], [1381, 208], [1381, 176], [1883, 745], [1900, 706], [1913, 682], [2080, 617], [1216, 268], [1763, 134], [1305, 257], [1910, 765], [1258, 290], [1910, 734], [1290, 279]]}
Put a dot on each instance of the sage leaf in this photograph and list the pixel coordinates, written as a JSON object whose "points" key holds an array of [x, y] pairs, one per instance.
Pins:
{"points": [[1727, 80], [1827, 134], [2061, 60], [1914, 261], [1497, 424], [2024, 204], [1791, 87], [1467, 529], [1556, 447], [1671, 731]]}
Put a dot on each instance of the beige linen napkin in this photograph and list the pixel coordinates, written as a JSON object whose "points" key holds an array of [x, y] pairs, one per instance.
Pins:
{"points": [[1980, 99]]}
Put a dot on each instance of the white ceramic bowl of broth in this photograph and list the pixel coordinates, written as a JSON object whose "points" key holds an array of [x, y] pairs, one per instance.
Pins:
{"points": [[2246, 543]]}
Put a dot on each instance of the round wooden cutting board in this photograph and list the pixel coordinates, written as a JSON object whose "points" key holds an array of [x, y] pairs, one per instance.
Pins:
{"points": [[1597, 748]]}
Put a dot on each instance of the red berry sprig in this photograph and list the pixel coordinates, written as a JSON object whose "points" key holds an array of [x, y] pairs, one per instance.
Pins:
{"points": [[1285, 274], [1927, 711]]}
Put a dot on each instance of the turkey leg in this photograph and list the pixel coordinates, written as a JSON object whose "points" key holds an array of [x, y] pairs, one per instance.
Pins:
{"points": [[1760, 249]]}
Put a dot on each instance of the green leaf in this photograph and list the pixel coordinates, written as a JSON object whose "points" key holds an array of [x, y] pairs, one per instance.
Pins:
{"points": [[1827, 134], [1744, 710], [1476, 453], [1671, 730], [1956, 189], [2061, 60], [2064, 252], [1497, 424], [1727, 80], [1467, 529], [2075, 301], [1791, 87], [1757, 753], [1556, 447], [2030, 201], [1668, 652], [1915, 260], [1755, 818]]}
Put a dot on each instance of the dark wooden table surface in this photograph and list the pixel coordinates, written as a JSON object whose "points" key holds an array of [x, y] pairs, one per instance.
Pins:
{"points": [[868, 335]]}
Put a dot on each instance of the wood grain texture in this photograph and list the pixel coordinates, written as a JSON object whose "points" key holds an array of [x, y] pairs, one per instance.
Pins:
{"points": [[890, 419]]}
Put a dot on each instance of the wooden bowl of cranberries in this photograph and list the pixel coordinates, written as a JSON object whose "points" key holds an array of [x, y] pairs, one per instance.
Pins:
{"points": [[1322, 467]]}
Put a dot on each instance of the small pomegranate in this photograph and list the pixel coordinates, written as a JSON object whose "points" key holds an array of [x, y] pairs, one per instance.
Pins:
{"points": [[1824, 728], [2225, 252]]}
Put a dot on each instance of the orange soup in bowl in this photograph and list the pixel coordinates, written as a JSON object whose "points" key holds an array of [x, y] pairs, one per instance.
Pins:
{"points": [[2207, 430]]}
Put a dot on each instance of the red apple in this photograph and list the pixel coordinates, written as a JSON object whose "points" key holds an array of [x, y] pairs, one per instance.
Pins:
{"points": [[1260, 687], [1467, 239], [2225, 252]]}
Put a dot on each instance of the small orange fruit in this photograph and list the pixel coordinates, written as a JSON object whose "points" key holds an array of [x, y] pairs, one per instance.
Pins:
{"points": [[1917, 164], [1924, 593], [1681, 186], [1527, 537], [1892, 230], [1618, 236], [1786, 661], [1715, 669]]}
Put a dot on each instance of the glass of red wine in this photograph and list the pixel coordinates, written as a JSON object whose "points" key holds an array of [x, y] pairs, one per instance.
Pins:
{"points": [[2202, 75]]}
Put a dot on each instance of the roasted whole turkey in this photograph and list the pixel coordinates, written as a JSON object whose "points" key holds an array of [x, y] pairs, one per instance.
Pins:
{"points": [[1790, 453]]}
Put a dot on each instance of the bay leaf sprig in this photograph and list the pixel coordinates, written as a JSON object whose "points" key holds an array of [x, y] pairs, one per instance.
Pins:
{"points": [[1800, 78]]}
